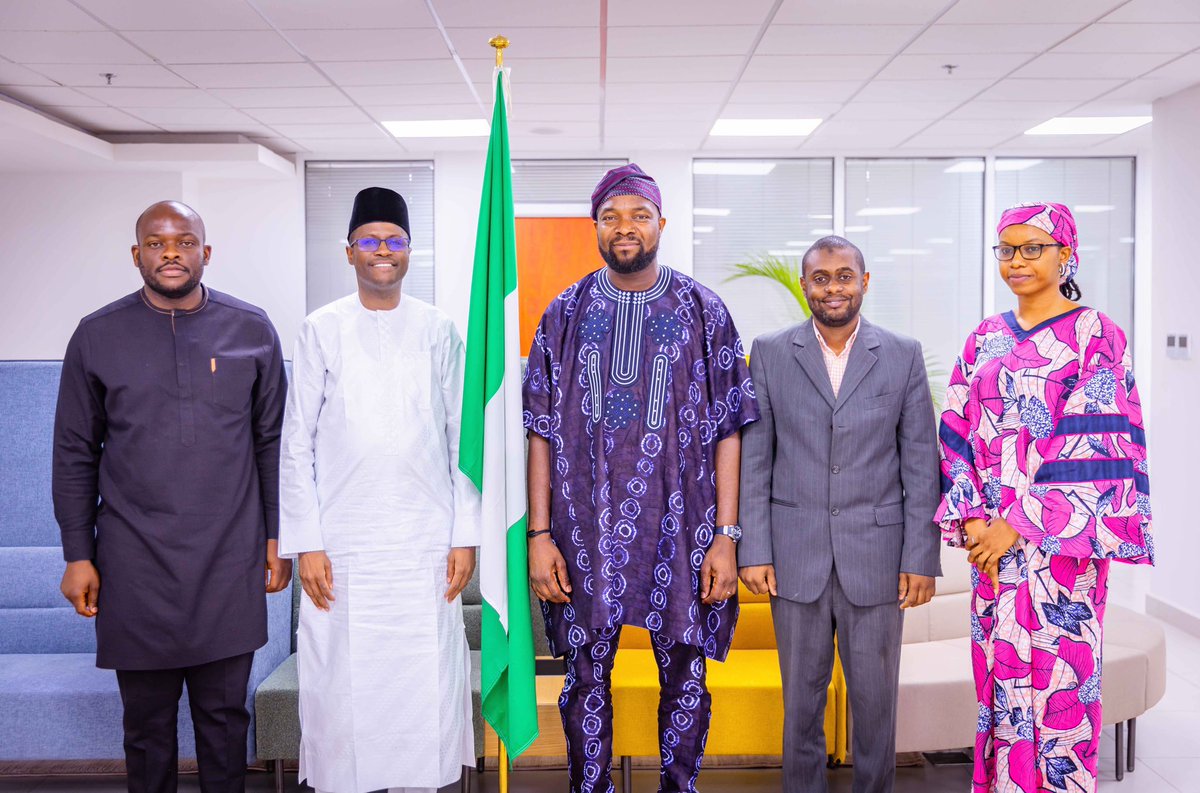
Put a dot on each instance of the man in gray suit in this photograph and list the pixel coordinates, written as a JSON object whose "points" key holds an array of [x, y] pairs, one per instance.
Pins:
{"points": [[839, 487]]}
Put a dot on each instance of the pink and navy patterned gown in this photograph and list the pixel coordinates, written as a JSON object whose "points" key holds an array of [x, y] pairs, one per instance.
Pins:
{"points": [[1044, 428], [633, 390]]}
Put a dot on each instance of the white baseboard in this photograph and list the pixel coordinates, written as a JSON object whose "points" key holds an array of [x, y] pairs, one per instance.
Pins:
{"points": [[1171, 614]]}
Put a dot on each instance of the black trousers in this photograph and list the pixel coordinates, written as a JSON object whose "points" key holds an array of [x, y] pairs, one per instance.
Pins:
{"points": [[217, 692]]}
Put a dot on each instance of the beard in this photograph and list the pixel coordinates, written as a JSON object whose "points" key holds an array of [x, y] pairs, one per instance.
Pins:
{"points": [[643, 259], [853, 306], [169, 292]]}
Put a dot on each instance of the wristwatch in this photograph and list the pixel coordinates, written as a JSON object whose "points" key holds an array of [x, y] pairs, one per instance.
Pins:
{"points": [[732, 531]]}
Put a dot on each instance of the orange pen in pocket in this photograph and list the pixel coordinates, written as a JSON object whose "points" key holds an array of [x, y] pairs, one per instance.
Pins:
{"points": [[213, 365]]}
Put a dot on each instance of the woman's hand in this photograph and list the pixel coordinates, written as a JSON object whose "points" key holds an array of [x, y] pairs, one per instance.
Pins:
{"points": [[987, 541]]}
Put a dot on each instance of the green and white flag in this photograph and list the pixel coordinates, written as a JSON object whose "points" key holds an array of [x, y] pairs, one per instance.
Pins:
{"points": [[492, 452]]}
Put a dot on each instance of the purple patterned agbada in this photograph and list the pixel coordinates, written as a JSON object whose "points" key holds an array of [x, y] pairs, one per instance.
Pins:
{"points": [[633, 390]]}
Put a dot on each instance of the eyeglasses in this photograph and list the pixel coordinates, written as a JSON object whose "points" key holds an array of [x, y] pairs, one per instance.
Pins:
{"points": [[1029, 252], [371, 244]]}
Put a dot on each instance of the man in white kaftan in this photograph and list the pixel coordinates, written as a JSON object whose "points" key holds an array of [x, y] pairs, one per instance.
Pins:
{"points": [[384, 524]]}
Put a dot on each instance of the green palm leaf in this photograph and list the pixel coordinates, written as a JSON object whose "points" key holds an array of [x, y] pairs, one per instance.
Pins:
{"points": [[782, 270]]}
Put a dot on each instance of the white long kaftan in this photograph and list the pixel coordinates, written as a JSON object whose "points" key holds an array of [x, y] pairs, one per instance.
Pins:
{"points": [[370, 476]]}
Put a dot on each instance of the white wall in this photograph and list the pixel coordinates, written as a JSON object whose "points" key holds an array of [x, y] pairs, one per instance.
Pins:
{"points": [[1174, 424], [64, 251]]}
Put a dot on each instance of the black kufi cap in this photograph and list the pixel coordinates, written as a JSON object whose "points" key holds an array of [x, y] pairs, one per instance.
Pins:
{"points": [[378, 205]]}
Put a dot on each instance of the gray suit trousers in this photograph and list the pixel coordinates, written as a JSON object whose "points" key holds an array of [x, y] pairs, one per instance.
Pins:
{"points": [[869, 643]]}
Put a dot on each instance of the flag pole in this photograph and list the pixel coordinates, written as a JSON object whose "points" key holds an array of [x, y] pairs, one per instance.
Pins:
{"points": [[500, 43]]}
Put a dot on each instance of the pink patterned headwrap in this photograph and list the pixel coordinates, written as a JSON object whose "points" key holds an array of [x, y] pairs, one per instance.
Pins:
{"points": [[1054, 219]]}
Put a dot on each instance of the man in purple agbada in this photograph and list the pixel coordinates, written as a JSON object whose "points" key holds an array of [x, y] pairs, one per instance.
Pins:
{"points": [[635, 396]]}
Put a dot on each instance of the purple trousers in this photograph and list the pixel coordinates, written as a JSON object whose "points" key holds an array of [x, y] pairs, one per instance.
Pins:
{"points": [[684, 711]]}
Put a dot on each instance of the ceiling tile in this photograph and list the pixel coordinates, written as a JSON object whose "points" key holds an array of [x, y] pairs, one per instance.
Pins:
{"points": [[715, 69], [1065, 143], [347, 14], [894, 111], [781, 110], [414, 95], [656, 129], [33, 47], [103, 119], [999, 128], [835, 39], [425, 112], [885, 134], [512, 16], [127, 76], [1156, 11], [987, 109], [1094, 66], [657, 112], [1019, 90], [326, 96], [546, 93], [1145, 90], [980, 65], [762, 147], [1125, 38], [940, 143], [996, 38], [821, 91], [538, 130], [153, 97], [1105, 107], [50, 96], [585, 146], [45, 15], [308, 115], [921, 90], [357, 45], [538, 70], [361, 73], [243, 127], [784, 68], [531, 42], [209, 46], [663, 93], [14, 74], [157, 15], [1079, 11], [854, 12], [341, 131], [557, 112], [340, 147], [635, 13], [252, 75], [667, 40], [1185, 68], [204, 116], [624, 145]]}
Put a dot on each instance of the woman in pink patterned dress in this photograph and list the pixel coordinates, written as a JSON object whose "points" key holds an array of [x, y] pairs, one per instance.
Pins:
{"points": [[1045, 483]]}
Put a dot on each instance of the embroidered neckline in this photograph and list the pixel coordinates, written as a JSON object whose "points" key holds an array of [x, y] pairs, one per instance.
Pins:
{"points": [[620, 295]]}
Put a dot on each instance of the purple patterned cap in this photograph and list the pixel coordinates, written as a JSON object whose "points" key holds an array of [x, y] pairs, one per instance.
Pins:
{"points": [[626, 180], [1054, 219]]}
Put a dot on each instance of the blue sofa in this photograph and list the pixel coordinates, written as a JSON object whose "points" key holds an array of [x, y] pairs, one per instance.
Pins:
{"points": [[55, 705]]}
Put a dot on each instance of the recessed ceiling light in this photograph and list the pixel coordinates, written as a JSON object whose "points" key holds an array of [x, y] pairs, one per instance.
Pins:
{"points": [[883, 259], [1090, 209], [857, 229], [764, 127], [867, 212], [940, 240], [820, 217], [702, 229], [444, 128], [910, 251], [792, 252], [731, 168], [821, 232], [711, 213], [696, 242], [1089, 125], [798, 243]]}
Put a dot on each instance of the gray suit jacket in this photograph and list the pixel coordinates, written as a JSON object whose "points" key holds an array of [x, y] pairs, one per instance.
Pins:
{"points": [[851, 481]]}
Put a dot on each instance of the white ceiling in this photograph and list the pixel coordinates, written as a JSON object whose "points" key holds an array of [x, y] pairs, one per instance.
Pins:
{"points": [[318, 77]]}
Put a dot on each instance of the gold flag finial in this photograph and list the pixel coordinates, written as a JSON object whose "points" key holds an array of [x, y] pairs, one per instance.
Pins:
{"points": [[499, 42]]}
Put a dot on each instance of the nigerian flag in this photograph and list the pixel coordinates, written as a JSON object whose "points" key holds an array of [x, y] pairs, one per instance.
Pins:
{"points": [[492, 452]]}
